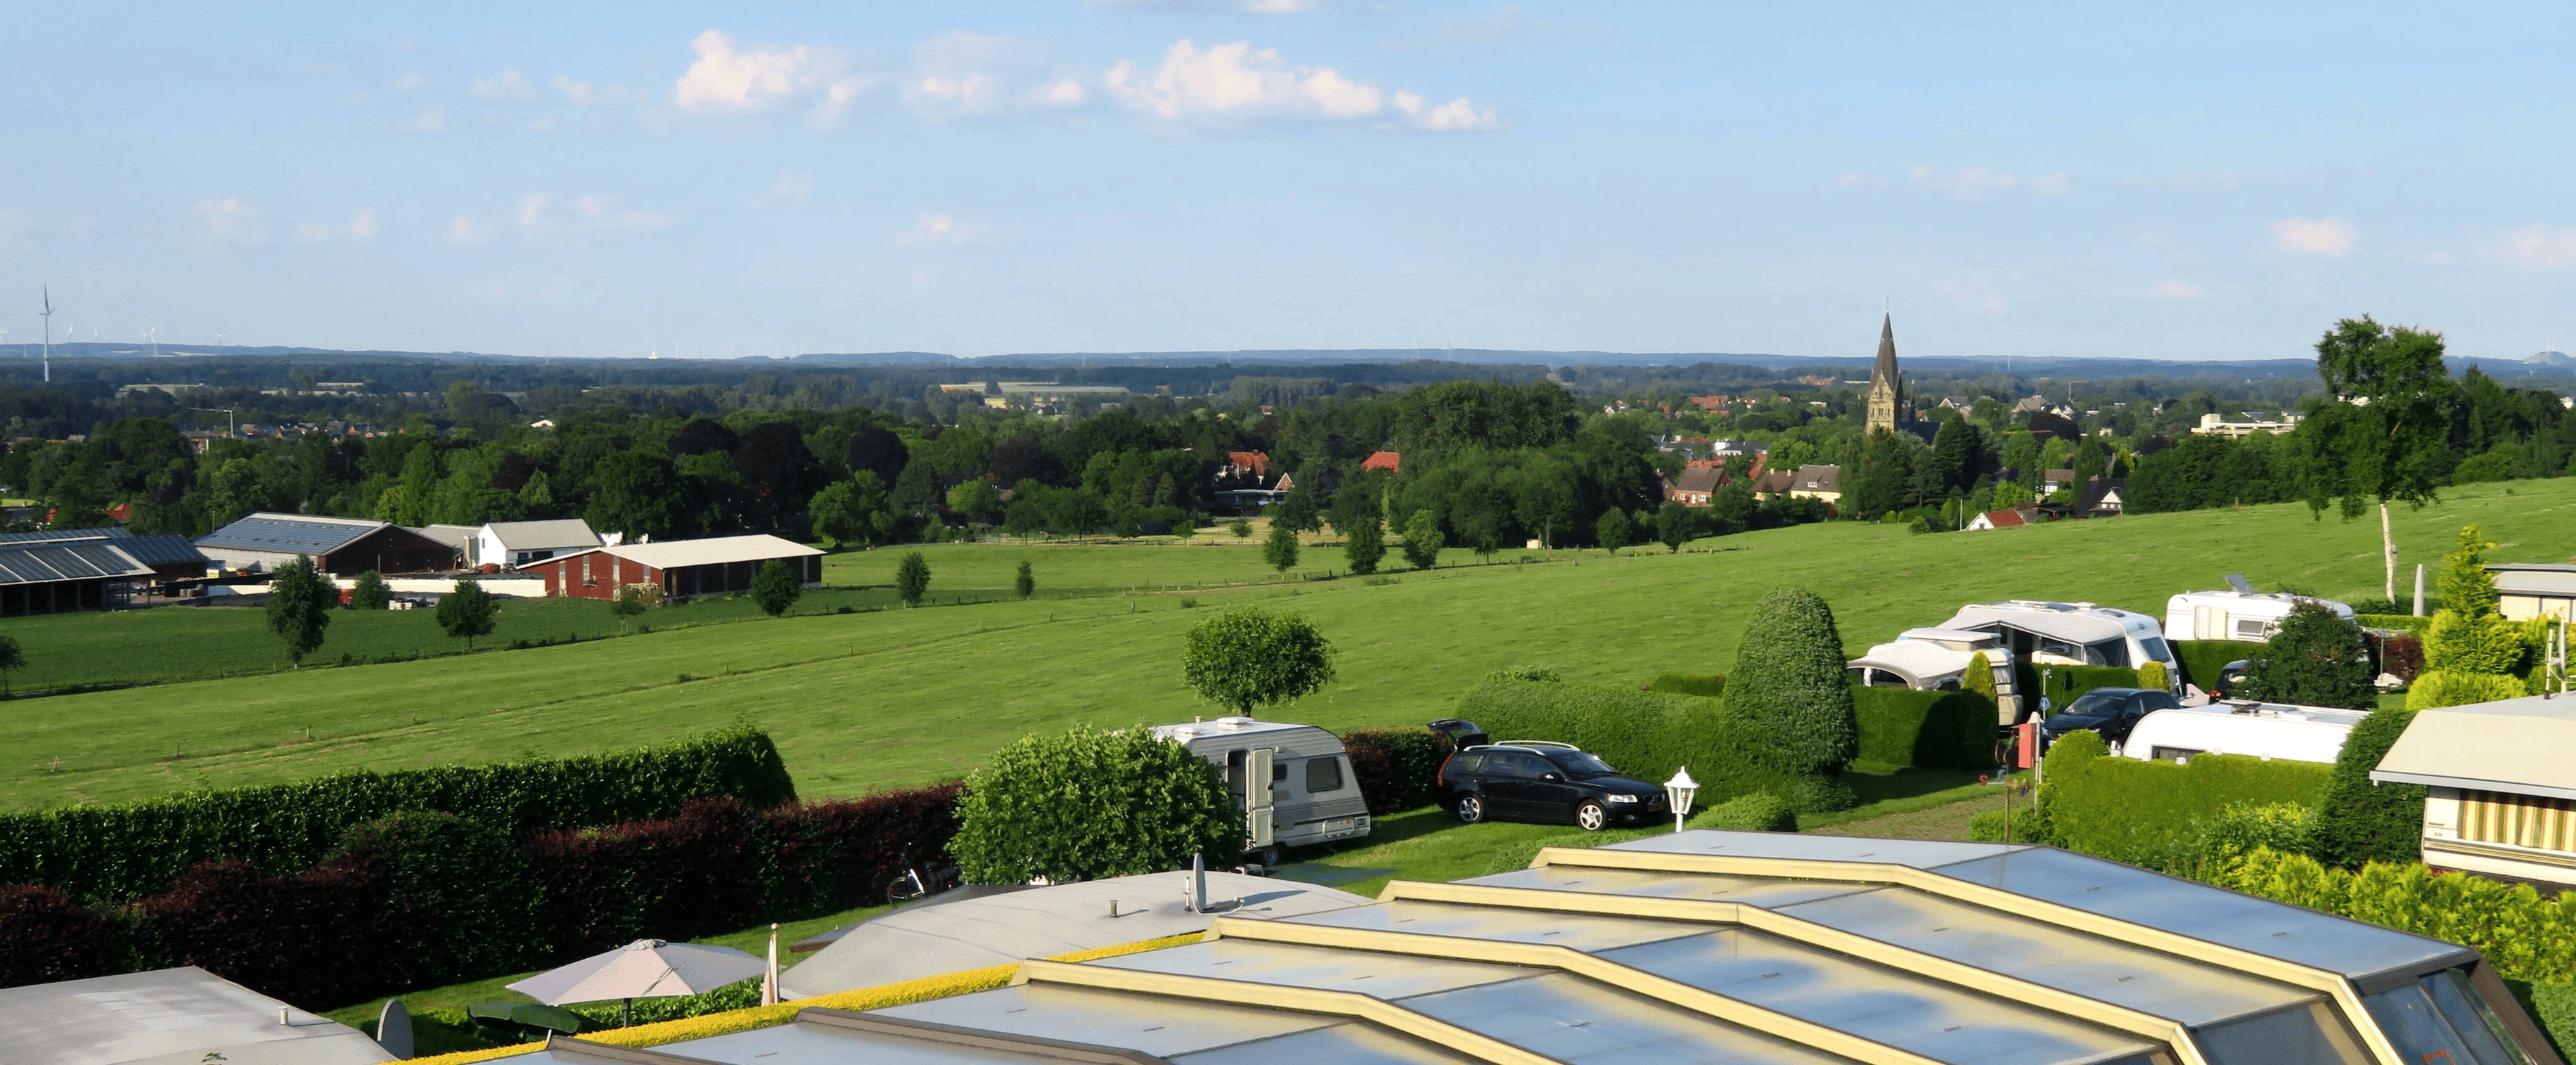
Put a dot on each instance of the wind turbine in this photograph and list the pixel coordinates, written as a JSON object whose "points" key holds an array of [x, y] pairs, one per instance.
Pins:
{"points": [[152, 336], [49, 333]]}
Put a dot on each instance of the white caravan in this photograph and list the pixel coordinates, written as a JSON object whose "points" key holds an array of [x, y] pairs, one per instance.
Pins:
{"points": [[1292, 782], [2037, 632], [2261, 730], [1930, 660], [2240, 613]]}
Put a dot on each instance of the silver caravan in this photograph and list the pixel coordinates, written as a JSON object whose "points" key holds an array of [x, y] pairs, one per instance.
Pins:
{"points": [[2033, 632], [2247, 616], [1292, 782]]}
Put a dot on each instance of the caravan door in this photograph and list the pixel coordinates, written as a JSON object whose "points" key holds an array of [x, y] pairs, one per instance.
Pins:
{"points": [[1258, 812]]}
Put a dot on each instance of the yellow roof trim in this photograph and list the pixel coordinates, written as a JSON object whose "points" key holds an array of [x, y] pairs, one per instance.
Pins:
{"points": [[1278, 996]]}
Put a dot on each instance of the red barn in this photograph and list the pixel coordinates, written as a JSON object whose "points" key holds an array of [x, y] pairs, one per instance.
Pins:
{"points": [[712, 566]]}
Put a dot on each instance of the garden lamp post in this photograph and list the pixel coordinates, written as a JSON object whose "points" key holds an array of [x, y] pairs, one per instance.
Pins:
{"points": [[1680, 789]]}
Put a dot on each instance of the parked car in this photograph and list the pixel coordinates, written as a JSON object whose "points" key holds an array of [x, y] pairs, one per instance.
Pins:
{"points": [[1538, 780], [2230, 676], [2109, 711]]}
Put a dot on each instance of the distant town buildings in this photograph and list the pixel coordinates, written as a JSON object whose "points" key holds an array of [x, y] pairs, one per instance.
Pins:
{"points": [[2218, 425]]}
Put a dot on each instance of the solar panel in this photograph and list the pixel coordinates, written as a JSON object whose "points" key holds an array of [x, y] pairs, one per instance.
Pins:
{"points": [[289, 535], [47, 562]]}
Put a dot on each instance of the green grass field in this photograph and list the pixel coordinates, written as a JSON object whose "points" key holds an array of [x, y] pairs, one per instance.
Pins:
{"points": [[899, 697]]}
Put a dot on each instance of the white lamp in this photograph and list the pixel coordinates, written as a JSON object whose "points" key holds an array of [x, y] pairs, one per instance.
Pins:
{"points": [[1680, 789]]}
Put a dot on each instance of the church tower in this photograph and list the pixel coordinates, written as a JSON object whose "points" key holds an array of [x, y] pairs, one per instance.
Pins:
{"points": [[1886, 407]]}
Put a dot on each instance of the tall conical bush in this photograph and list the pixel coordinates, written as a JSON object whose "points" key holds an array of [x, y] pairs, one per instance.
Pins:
{"points": [[1788, 691]]}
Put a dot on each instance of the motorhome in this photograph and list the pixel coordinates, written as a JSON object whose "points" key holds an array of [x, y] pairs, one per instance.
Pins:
{"points": [[2240, 613], [2261, 730], [1932, 660], [2045, 633], [1293, 783]]}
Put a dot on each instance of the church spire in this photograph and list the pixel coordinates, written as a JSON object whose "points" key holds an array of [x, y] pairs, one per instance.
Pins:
{"points": [[1885, 406], [1886, 368]]}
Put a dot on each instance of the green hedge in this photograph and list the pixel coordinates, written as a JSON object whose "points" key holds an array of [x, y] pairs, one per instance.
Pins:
{"points": [[1644, 735], [1930, 730], [2203, 659], [2152, 813], [1396, 767], [2395, 622], [2524, 935], [2065, 684], [126, 851], [1708, 686]]}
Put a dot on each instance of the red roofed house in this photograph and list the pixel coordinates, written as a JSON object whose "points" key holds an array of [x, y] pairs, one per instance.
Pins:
{"points": [[1697, 486], [1255, 464], [2001, 519], [1382, 460]]}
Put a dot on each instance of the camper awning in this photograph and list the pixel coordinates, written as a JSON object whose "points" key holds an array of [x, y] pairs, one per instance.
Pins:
{"points": [[2515, 745]]}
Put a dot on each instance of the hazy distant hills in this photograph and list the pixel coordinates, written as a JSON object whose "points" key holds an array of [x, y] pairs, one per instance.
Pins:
{"points": [[2547, 364]]}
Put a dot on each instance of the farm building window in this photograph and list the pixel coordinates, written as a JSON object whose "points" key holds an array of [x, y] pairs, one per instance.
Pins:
{"points": [[585, 570]]}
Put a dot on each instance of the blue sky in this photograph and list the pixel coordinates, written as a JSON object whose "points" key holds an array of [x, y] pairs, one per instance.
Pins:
{"points": [[2216, 181]]}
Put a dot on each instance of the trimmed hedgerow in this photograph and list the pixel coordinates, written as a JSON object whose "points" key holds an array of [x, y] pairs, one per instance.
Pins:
{"points": [[116, 853], [1758, 812], [2151, 813], [1932, 730], [1396, 767], [462, 892], [1789, 687], [2363, 821], [2202, 660], [1705, 686], [2524, 935], [2395, 622], [45, 937]]}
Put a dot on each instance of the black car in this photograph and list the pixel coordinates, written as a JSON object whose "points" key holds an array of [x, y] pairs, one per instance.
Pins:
{"points": [[2109, 711], [1538, 781]]}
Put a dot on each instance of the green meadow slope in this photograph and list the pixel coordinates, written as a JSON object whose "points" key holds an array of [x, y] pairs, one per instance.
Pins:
{"points": [[867, 700]]}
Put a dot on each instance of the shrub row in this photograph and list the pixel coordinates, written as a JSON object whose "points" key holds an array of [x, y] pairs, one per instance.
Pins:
{"points": [[2526, 936], [1644, 735], [116, 853], [2203, 659], [2395, 622], [2152, 813], [1397, 768], [1709, 686], [1932, 730], [422, 899]]}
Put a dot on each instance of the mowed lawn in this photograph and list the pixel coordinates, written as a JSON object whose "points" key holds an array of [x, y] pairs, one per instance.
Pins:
{"points": [[898, 697]]}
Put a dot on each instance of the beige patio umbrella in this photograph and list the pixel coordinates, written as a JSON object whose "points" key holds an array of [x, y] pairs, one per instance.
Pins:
{"points": [[646, 968]]}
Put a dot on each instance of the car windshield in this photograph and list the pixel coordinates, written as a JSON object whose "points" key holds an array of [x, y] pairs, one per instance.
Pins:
{"points": [[2096, 704], [1578, 763]]}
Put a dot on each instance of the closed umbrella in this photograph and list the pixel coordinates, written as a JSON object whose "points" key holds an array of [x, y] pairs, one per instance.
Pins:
{"points": [[646, 968]]}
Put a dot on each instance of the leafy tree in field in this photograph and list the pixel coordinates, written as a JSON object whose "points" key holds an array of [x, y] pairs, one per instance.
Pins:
{"points": [[370, 592], [1673, 525], [852, 511], [1788, 691], [917, 489], [467, 611], [1248, 657], [1089, 804], [2391, 442], [300, 600], [1364, 544], [11, 660], [2360, 821], [1422, 540], [776, 586], [2313, 659], [1613, 531], [1241, 528], [1025, 581], [1280, 550], [977, 499], [629, 603], [912, 578], [1299, 512]]}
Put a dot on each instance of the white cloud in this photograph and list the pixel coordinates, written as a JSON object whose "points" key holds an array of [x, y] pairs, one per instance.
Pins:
{"points": [[1282, 7], [585, 94], [1853, 179], [361, 229], [2314, 236], [231, 221], [408, 82], [1060, 93], [433, 119], [506, 85], [1233, 82], [792, 185], [939, 229], [1972, 295], [2540, 247], [970, 75], [730, 79], [2176, 290], [590, 210], [2051, 184], [464, 230], [1975, 183]]}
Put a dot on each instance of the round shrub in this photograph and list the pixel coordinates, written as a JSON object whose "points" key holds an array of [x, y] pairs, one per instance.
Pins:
{"points": [[1088, 804], [464, 886], [1788, 693], [2435, 688], [2313, 659]]}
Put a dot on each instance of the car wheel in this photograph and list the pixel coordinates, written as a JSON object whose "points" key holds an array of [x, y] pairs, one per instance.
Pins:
{"points": [[1471, 808], [1591, 815]]}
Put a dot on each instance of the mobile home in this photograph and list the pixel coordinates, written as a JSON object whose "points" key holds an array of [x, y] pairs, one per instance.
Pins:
{"points": [[2248, 616], [2032, 631], [2261, 730], [2500, 784], [1293, 783]]}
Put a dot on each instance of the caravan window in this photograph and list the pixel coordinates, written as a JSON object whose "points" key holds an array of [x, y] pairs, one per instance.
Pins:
{"points": [[2111, 652], [2156, 649], [2253, 629], [1323, 775], [2172, 754]]}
